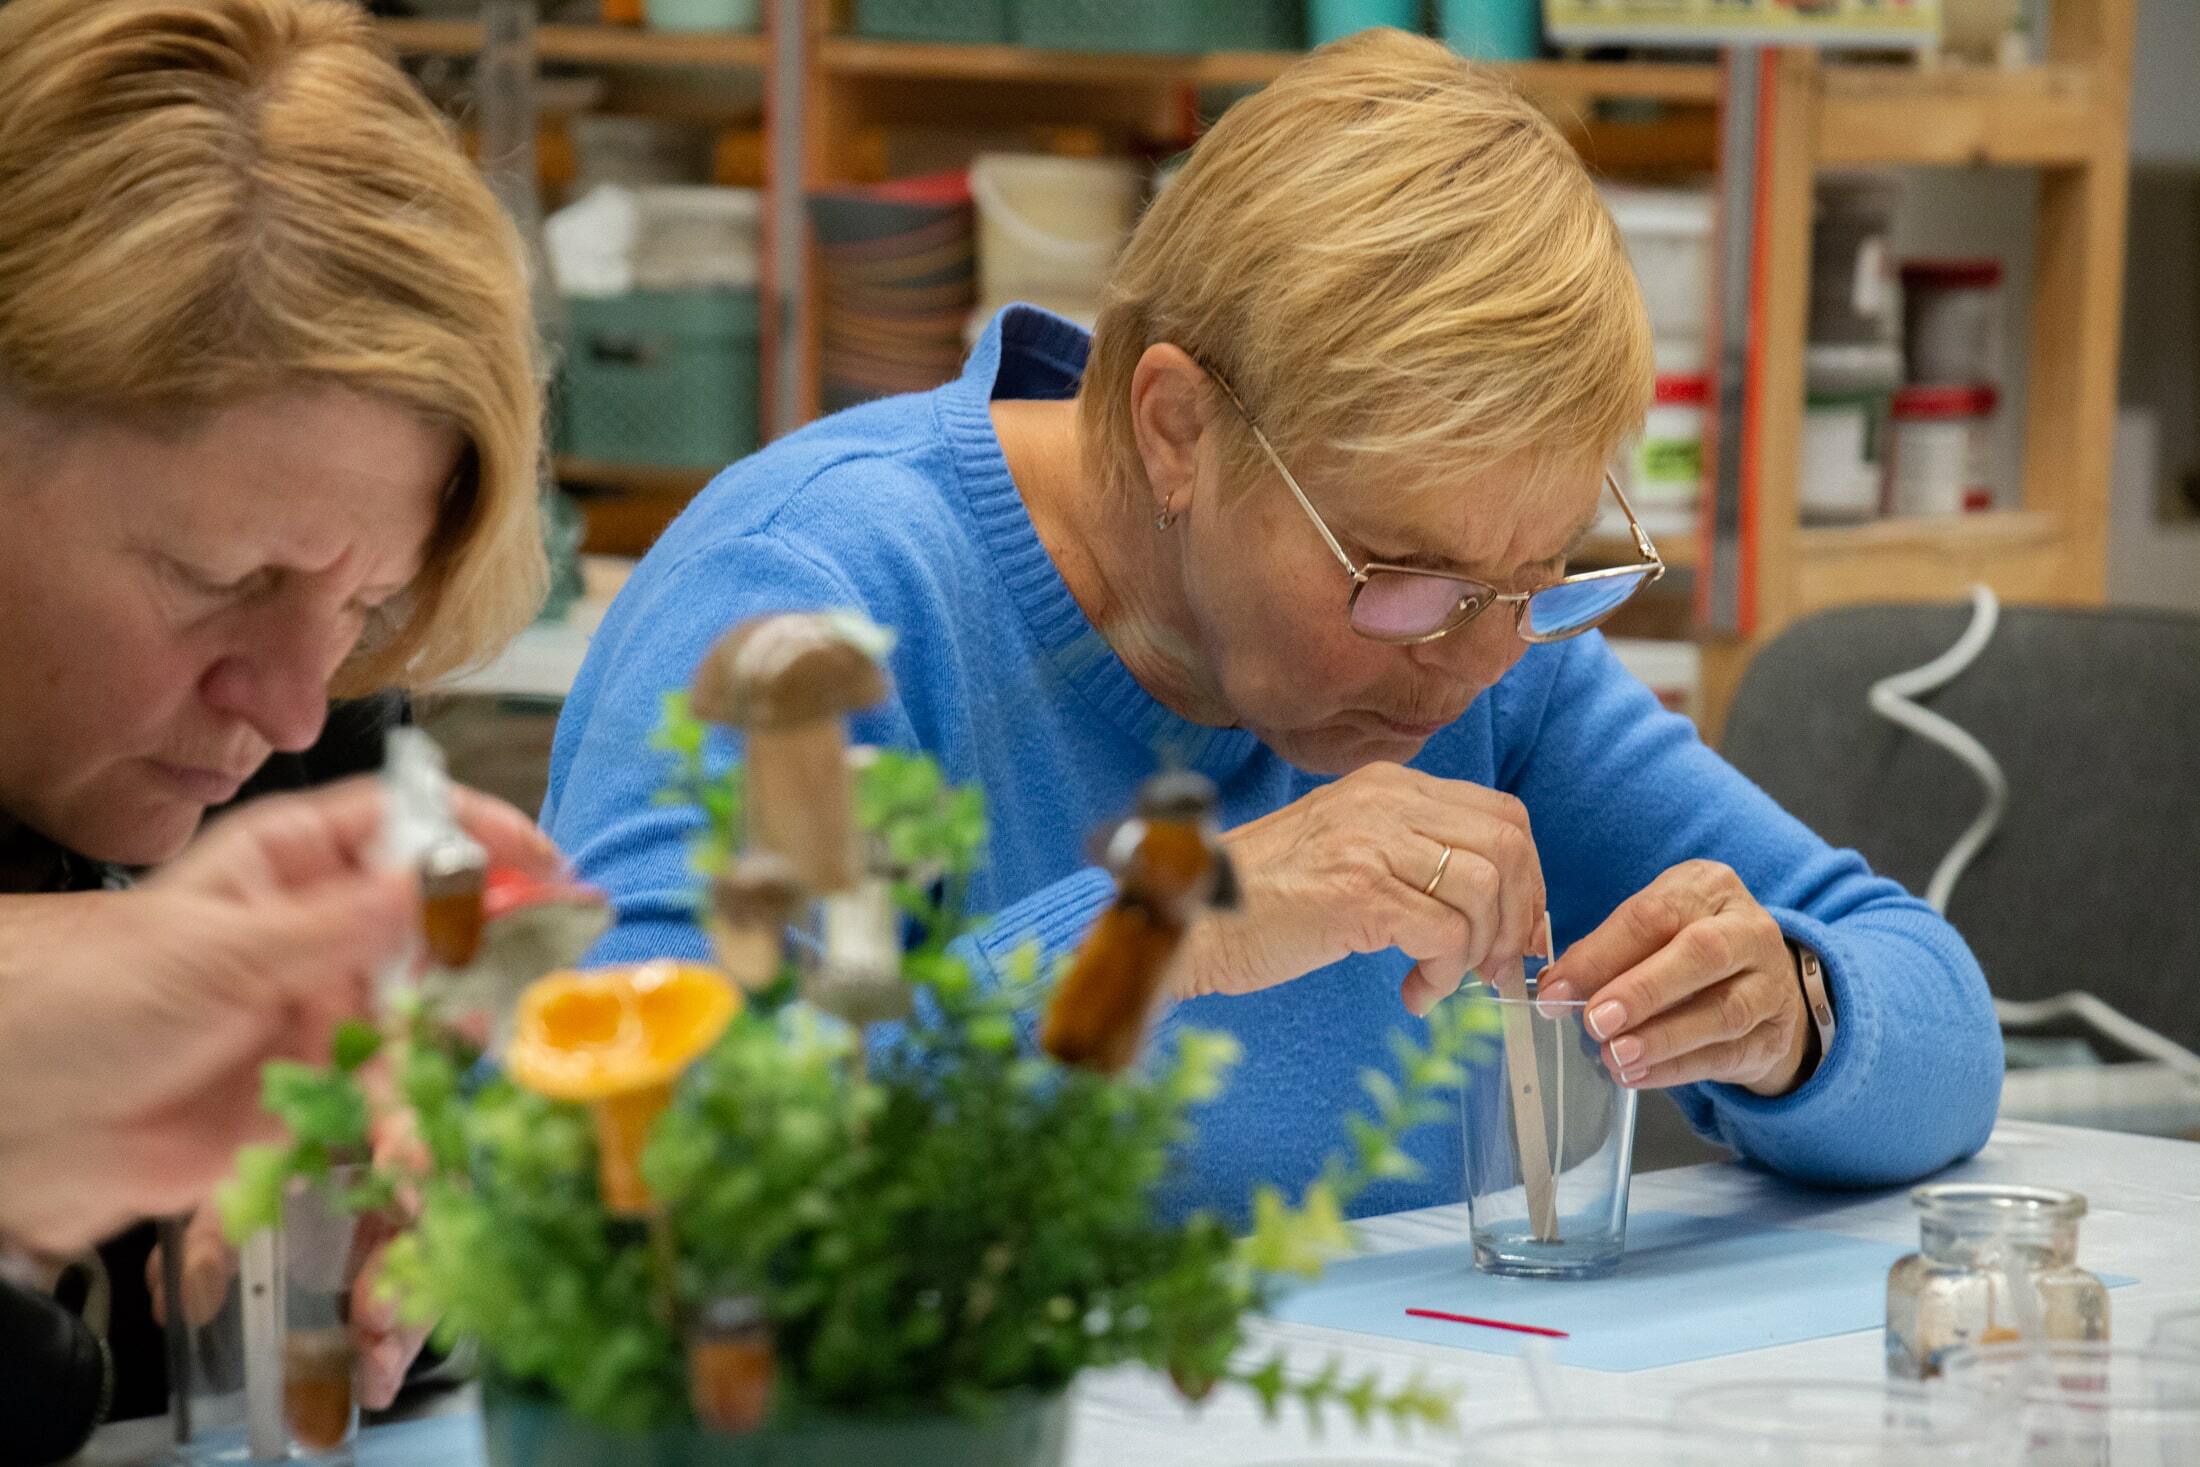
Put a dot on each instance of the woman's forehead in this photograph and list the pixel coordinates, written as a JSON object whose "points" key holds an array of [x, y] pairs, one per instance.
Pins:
{"points": [[1496, 520], [303, 479]]}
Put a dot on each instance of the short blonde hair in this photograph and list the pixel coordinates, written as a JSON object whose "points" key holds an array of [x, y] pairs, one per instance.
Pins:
{"points": [[202, 201], [1389, 251]]}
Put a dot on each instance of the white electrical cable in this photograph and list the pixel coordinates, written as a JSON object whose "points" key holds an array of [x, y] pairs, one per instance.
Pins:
{"points": [[2087, 1009], [1893, 698]]}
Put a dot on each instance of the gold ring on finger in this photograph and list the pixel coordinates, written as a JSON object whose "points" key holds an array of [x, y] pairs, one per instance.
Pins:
{"points": [[1443, 863]]}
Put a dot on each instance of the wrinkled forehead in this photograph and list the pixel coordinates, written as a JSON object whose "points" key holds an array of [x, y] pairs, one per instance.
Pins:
{"points": [[1499, 522]]}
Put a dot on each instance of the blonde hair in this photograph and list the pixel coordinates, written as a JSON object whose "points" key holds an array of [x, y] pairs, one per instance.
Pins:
{"points": [[1387, 252], [209, 200]]}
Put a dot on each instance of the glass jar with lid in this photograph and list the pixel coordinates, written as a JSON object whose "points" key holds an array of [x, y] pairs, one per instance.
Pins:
{"points": [[1993, 1263]]}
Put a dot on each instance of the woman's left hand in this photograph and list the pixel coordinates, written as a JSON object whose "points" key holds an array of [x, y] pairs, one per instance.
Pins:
{"points": [[1691, 980]]}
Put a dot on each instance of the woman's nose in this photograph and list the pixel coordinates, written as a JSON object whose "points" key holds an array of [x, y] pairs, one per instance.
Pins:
{"points": [[276, 679], [1479, 653]]}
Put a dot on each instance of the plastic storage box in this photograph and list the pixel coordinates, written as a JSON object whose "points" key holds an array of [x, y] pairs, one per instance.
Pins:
{"points": [[661, 377], [953, 22], [1327, 20], [703, 15], [1159, 25]]}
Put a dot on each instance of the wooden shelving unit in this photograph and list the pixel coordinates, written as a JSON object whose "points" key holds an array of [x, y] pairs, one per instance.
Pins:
{"points": [[2068, 118]]}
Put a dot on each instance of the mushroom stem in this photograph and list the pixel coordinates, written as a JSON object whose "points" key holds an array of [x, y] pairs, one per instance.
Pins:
{"points": [[732, 1365], [749, 952], [801, 801], [753, 898], [622, 1130]]}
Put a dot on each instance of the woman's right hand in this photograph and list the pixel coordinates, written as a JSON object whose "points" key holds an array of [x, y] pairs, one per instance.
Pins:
{"points": [[1344, 870]]}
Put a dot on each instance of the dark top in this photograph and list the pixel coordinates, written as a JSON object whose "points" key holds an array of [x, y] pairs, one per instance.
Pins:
{"points": [[48, 1359]]}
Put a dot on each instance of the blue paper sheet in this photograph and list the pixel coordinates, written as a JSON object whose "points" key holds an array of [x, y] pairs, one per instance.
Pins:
{"points": [[1688, 1288], [440, 1441]]}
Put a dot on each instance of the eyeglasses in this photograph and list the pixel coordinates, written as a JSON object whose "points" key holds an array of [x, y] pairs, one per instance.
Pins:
{"points": [[1407, 604]]}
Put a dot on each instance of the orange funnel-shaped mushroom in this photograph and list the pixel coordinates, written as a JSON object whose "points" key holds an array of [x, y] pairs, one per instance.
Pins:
{"points": [[615, 1041]]}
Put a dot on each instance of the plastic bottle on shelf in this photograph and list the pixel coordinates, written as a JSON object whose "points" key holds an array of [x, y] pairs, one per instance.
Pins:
{"points": [[1938, 450], [1849, 391], [1853, 295], [1951, 320]]}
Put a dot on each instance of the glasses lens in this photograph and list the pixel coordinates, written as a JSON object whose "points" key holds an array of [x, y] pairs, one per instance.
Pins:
{"points": [[1394, 604], [1575, 606]]}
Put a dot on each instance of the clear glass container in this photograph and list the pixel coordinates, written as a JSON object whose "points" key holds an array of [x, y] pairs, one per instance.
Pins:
{"points": [[1550, 1139], [1994, 1264], [1850, 1423], [2088, 1405]]}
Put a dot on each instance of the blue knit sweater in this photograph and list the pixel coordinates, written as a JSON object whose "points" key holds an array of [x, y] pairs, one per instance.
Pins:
{"points": [[906, 509]]}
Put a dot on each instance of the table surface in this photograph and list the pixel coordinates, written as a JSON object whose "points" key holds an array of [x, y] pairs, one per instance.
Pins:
{"points": [[2144, 1195]]}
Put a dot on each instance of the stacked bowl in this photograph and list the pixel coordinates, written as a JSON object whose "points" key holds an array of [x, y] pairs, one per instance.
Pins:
{"points": [[897, 274]]}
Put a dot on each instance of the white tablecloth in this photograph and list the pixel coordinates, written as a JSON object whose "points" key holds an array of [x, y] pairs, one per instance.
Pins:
{"points": [[2144, 1221]]}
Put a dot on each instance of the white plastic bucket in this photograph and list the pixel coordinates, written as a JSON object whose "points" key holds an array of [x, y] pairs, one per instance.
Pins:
{"points": [[1668, 237], [1050, 228], [697, 236]]}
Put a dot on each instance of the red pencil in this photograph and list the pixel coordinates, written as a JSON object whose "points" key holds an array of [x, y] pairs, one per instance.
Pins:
{"points": [[1524, 1329]]}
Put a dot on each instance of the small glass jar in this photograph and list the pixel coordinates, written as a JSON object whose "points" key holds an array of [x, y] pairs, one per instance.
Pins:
{"points": [[1979, 1244]]}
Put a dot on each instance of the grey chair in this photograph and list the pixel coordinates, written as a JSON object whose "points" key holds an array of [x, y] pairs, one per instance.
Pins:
{"points": [[2093, 880]]}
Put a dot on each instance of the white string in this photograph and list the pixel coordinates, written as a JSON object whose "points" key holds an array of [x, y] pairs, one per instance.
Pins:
{"points": [[1893, 698]]}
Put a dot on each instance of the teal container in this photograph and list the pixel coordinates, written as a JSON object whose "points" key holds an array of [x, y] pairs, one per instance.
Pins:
{"points": [[665, 378], [1159, 25], [947, 22], [703, 15], [1026, 1431], [1329, 20], [1492, 30], [1246, 25]]}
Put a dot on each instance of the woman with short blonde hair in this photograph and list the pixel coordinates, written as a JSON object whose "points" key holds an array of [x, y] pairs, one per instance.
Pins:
{"points": [[1436, 284], [235, 239], [269, 434], [1299, 514]]}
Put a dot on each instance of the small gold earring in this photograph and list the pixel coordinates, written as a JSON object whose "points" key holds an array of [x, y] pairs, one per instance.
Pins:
{"points": [[1166, 518]]}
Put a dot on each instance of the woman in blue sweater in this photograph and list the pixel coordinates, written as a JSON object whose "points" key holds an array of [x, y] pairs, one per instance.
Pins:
{"points": [[1297, 515]]}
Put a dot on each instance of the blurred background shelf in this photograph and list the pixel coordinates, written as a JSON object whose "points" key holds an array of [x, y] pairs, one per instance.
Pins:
{"points": [[602, 45], [831, 110], [2040, 115], [1679, 552], [633, 478], [844, 55]]}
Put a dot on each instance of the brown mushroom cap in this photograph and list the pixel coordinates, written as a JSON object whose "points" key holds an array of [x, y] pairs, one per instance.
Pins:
{"points": [[782, 671], [757, 889]]}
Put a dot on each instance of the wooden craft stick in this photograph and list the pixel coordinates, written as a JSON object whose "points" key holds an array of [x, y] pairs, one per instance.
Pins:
{"points": [[1531, 1138]]}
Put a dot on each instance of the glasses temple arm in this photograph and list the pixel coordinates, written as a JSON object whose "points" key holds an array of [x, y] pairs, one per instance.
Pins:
{"points": [[1643, 547], [1288, 482]]}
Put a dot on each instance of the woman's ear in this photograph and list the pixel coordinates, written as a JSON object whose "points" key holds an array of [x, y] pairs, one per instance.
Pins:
{"points": [[1169, 408]]}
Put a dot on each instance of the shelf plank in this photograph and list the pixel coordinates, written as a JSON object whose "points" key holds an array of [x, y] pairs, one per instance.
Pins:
{"points": [[602, 45], [1954, 534], [2023, 555], [857, 56], [1589, 80], [1678, 551], [2041, 115], [643, 479]]}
